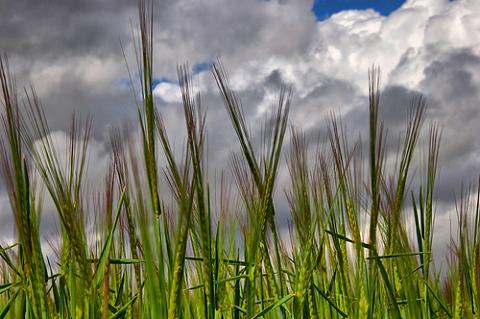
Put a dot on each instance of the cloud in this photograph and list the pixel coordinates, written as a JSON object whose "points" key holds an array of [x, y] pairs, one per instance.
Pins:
{"points": [[168, 92], [71, 54]]}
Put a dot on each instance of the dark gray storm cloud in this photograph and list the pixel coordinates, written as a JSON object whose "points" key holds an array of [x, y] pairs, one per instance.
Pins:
{"points": [[45, 29], [452, 84], [71, 50]]}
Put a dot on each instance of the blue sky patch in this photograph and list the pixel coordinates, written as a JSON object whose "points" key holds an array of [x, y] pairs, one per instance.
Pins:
{"points": [[157, 81], [200, 67], [196, 69], [323, 9], [126, 83]]}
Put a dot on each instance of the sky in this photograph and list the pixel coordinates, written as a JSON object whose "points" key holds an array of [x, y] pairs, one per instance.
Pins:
{"points": [[71, 53], [323, 9]]}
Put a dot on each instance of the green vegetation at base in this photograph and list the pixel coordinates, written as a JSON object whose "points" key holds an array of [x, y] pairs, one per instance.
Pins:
{"points": [[204, 250]]}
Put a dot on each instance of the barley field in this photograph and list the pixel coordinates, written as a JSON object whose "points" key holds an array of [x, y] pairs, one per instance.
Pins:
{"points": [[359, 242]]}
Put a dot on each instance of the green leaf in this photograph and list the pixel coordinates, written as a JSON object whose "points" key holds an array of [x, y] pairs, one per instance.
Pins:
{"points": [[274, 306], [4, 249], [104, 256], [121, 312], [7, 287], [397, 255], [7, 306], [220, 281], [440, 302], [331, 303]]}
